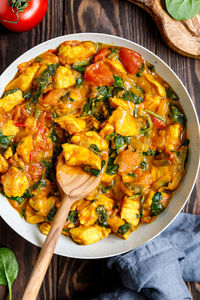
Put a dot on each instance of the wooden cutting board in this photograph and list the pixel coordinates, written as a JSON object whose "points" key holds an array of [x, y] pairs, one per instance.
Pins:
{"points": [[182, 36]]}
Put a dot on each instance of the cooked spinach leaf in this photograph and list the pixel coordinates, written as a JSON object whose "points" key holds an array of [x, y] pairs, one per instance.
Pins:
{"points": [[88, 108], [143, 165], [113, 51], [51, 215], [66, 98], [121, 141], [43, 81], [119, 82], [139, 74], [93, 171], [171, 94], [156, 206], [151, 152], [39, 184], [4, 141], [79, 82], [123, 228], [102, 215], [72, 216], [130, 96], [111, 167], [49, 169], [10, 92], [176, 114], [80, 65], [95, 149]]}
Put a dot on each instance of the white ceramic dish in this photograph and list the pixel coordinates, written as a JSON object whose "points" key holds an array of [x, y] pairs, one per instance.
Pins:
{"points": [[113, 245]]}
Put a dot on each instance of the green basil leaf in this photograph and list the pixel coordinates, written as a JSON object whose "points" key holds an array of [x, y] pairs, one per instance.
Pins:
{"points": [[183, 9], [8, 268]]}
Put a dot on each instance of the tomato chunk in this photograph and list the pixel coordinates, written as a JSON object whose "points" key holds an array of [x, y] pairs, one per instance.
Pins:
{"points": [[99, 74], [131, 60], [158, 123], [102, 54]]}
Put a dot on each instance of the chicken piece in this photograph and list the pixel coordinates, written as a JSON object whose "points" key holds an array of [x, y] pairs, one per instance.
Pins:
{"points": [[8, 102], [45, 227], [3, 165], [24, 148], [88, 215], [128, 161], [115, 65], [107, 130], [124, 123], [146, 207], [150, 102], [77, 155], [71, 52], [64, 78], [158, 172], [89, 138], [160, 89], [8, 153], [48, 58], [42, 204], [15, 182], [71, 124], [126, 105], [130, 210], [119, 226], [31, 216], [173, 136], [10, 129], [52, 98], [108, 203], [85, 235], [107, 179], [23, 81]]}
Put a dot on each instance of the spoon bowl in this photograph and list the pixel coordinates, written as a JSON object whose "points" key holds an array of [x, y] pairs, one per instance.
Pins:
{"points": [[74, 184]]}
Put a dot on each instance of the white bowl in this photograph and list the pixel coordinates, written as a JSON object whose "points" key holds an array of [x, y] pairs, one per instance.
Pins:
{"points": [[113, 245]]}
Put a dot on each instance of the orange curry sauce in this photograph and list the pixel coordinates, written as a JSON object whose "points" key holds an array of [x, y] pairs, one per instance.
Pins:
{"points": [[83, 99]]}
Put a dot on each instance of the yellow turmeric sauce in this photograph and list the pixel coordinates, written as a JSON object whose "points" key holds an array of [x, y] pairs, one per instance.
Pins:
{"points": [[83, 100]]}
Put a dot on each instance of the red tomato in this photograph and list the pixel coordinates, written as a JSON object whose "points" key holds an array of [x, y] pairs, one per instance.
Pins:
{"points": [[131, 60], [158, 123], [102, 54], [28, 19], [99, 74]]}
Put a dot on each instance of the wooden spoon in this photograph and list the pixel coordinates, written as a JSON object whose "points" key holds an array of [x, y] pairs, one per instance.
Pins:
{"points": [[74, 184]]}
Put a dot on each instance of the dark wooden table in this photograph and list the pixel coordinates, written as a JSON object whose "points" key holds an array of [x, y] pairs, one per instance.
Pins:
{"points": [[69, 278]]}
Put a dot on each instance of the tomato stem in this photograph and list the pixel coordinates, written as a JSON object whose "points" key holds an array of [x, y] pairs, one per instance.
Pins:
{"points": [[17, 7]]}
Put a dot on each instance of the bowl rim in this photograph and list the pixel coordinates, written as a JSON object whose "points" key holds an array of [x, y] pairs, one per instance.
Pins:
{"points": [[87, 36]]}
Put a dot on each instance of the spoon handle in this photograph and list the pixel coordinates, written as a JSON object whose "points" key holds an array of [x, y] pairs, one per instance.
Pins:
{"points": [[47, 251]]}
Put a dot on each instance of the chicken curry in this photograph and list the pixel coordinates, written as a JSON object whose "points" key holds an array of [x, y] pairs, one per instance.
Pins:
{"points": [[81, 100]]}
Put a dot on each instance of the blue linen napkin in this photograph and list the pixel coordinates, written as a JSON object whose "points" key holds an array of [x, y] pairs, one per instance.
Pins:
{"points": [[157, 269]]}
